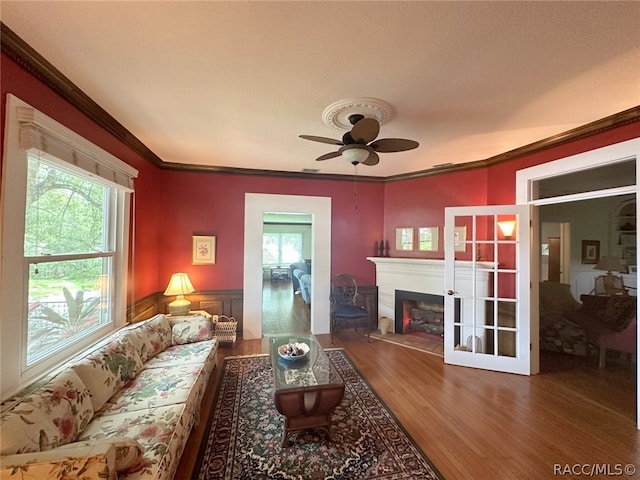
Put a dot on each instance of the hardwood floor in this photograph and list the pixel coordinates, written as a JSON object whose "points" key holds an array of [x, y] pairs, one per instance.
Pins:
{"points": [[476, 424]]}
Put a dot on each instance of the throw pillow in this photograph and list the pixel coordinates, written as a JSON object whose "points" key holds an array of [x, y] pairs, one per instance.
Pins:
{"points": [[173, 320], [129, 452], [190, 332], [51, 416]]}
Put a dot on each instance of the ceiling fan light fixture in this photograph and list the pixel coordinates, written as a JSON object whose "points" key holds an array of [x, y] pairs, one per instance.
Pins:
{"points": [[354, 154]]}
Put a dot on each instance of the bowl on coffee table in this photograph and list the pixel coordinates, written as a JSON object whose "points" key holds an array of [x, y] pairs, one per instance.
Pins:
{"points": [[293, 351]]}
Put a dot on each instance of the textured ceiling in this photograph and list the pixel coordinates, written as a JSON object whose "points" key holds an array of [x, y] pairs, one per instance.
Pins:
{"points": [[233, 84]]}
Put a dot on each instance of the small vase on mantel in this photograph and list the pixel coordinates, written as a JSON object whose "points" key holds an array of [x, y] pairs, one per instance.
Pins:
{"points": [[381, 249]]}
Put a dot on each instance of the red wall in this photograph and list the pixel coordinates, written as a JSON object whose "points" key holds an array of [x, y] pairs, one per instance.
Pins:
{"points": [[420, 203], [214, 205], [501, 186], [171, 206]]}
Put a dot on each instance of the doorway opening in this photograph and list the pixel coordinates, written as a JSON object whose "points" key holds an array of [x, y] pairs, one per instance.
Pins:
{"points": [[568, 350], [597, 174], [256, 204], [555, 251], [286, 277]]}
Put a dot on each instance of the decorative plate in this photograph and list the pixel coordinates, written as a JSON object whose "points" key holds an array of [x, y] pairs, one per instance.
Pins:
{"points": [[293, 351]]}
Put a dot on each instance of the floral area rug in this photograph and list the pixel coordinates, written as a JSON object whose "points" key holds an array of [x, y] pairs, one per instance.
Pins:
{"points": [[245, 433]]}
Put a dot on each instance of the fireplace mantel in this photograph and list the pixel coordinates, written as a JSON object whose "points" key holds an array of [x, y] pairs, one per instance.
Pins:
{"points": [[423, 275]]}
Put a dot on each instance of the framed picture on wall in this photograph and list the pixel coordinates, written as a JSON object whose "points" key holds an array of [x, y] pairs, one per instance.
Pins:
{"points": [[204, 250], [590, 251], [404, 238], [460, 239], [428, 239]]}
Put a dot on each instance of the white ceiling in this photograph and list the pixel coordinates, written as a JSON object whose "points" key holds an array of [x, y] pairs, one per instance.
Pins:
{"points": [[234, 83]]}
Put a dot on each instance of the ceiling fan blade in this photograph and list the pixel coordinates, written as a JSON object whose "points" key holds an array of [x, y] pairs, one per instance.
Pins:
{"points": [[372, 159], [327, 156], [365, 130], [387, 145], [313, 138]]}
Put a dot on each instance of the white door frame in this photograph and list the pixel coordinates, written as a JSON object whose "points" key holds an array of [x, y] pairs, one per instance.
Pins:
{"points": [[256, 204], [525, 188]]}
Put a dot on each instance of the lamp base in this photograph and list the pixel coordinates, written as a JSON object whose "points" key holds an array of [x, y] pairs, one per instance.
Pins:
{"points": [[179, 307]]}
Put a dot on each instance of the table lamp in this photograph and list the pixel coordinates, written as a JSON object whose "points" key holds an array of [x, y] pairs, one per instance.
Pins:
{"points": [[609, 263], [179, 285]]}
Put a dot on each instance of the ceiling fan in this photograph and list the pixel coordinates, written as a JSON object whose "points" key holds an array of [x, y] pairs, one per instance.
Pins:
{"points": [[360, 145]]}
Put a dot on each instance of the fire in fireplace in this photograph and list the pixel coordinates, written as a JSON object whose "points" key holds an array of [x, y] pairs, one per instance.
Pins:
{"points": [[419, 312]]}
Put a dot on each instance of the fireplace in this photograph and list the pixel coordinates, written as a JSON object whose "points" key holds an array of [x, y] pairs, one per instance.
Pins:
{"points": [[417, 312], [426, 276]]}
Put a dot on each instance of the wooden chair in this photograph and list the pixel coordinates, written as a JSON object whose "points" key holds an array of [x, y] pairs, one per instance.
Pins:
{"points": [[346, 305]]}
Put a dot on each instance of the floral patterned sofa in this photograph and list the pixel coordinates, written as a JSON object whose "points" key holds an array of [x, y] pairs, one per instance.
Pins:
{"points": [[123, 410]]}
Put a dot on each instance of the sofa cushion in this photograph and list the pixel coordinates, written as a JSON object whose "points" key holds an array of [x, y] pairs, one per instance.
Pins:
{"points": [[74, 463], [191, 331], [107, 369], [154, 335], [128, 452], [51, 416], [190, 353], [161, 431], [158, 387]]}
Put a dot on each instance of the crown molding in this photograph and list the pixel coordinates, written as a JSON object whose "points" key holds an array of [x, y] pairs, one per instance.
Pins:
{"points": [[24, 55]]}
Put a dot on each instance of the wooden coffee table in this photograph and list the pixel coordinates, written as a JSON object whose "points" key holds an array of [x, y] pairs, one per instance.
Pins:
{"points": [[305, 390]]}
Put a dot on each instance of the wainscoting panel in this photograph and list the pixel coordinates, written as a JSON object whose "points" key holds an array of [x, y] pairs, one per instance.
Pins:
{"points": [[223, 302], [226, 302]]}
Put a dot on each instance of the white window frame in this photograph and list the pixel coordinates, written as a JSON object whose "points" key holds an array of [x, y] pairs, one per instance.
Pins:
{"points": [[28, 130], [280, 235]]}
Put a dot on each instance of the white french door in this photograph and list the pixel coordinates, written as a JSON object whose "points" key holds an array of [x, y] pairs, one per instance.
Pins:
{"points": [[487, 288]]}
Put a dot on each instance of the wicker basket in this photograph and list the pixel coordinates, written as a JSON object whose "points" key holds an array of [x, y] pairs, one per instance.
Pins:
{"points": [[226, 329]]}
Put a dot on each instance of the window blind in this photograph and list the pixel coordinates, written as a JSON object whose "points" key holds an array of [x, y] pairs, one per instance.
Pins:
{"points": [[35, 134]]}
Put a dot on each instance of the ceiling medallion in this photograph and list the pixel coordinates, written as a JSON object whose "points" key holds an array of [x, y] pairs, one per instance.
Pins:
{"points": [[337, 114]]}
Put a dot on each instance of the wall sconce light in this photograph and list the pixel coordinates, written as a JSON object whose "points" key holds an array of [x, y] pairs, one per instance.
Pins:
{"points": [[507, 227], [179, 285]]}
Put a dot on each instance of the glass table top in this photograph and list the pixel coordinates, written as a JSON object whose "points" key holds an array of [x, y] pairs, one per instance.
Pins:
{"points": [[314, 369]]}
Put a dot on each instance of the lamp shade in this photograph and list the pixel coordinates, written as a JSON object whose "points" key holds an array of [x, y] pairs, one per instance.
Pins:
{"points": [[609, 263], [179, 285], [355, 154]]}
